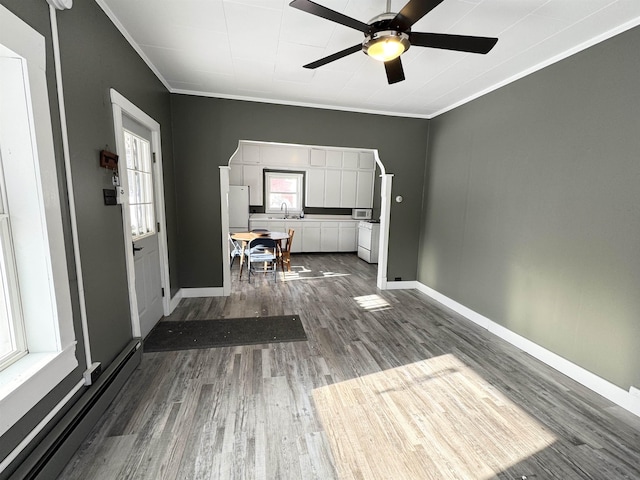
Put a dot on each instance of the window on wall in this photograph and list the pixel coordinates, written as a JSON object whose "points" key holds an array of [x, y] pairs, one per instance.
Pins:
{"points": [[12, 339], [37, 338], [140, 176], [283, 188]]}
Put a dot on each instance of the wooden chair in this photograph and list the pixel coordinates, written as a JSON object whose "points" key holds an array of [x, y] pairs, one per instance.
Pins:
{"points": [[285, 257]]}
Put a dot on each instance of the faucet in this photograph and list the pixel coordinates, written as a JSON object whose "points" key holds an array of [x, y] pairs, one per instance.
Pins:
{"points": [[286, 209]]}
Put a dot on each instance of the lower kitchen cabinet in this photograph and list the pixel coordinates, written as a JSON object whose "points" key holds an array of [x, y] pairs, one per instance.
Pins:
{"points": [[348, 237], [315, 236], [329, 237], [311, 236]]}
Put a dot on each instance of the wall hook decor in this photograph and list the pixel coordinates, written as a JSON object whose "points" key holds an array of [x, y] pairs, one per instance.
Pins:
{"points": [[108, 160]]}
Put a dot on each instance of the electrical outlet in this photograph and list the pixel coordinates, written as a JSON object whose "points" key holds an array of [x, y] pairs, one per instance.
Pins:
{"points": [[634, 391]]}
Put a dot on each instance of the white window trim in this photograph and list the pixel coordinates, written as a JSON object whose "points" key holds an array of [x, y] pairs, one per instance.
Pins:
{"points": [[300, 179], [50, 360]]}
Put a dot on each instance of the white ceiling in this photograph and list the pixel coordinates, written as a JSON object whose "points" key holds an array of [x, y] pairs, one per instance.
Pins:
{"points": [[255, 49]]}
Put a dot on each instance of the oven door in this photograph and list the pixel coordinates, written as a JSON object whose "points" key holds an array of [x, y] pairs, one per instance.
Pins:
{"points": [[364, 236]]}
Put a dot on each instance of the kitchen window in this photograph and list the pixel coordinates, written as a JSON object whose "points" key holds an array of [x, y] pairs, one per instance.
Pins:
{"points": [[283, 188]]}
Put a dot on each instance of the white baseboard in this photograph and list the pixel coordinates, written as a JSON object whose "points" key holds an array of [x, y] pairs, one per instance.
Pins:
{"points": [[175, 300], [201, 292], [406, 285], [612, 392]]}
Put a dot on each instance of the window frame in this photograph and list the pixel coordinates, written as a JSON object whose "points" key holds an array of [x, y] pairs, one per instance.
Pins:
{"points": [[300, 177], [34, 204], [11, 310]]}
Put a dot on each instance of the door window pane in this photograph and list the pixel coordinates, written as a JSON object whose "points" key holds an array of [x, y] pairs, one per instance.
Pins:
{"points": [[140, 180]]}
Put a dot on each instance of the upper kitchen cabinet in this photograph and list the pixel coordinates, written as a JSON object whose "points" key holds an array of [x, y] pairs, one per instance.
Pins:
{"points": [[284, 156], [318, 158], [250, 153], [350, 160], [250, 175], [334, 177], [366, 161], [334, 158], [314, 191]]}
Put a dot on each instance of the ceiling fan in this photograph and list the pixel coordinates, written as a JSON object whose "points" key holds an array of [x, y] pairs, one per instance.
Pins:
{"points": [[389, 35]]}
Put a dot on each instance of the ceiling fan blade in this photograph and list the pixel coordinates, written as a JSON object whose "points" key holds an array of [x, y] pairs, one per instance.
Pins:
{"points": [[461, 43], [395, 73], [413, 11], [324, 12], [335, 56]]}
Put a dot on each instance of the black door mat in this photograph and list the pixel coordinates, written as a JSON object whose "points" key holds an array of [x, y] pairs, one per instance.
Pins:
{"points": [[227, 332]]}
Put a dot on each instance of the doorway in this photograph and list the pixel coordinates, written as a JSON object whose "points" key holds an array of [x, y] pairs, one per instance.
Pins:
{"points": [[386, 181], [142, 199]]}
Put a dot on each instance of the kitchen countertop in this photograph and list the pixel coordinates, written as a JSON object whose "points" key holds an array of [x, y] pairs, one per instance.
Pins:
{"points": [[266, 216]]}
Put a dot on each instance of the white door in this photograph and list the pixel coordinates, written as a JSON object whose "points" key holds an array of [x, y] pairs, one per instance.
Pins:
{"points": [[142, 214]]}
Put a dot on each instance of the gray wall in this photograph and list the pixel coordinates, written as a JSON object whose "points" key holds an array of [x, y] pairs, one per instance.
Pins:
{"points": [[207, 131], [95, 58], [531, 208], [90, 68]]}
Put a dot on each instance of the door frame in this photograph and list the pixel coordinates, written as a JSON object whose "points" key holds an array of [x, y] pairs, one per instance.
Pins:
{"points": [[122, 106], [386, 183]]}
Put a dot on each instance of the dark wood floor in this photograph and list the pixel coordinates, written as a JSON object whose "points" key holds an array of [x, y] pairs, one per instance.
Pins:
{"points": [[389, 385]]}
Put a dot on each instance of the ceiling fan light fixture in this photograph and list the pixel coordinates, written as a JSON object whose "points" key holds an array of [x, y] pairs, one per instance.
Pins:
{"points": [[387, 45]]}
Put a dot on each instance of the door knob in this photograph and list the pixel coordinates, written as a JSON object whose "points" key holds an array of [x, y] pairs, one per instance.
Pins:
{"points": [[135, 249]]}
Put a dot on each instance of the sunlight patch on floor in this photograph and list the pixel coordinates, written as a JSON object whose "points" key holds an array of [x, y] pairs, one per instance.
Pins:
{"points": [[303, 273], [372, 303], [434, 419]]}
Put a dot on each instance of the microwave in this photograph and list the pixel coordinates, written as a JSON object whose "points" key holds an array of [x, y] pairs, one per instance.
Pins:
{"points": [[361, 213]]}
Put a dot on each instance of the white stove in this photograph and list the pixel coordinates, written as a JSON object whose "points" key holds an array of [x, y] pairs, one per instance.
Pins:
{"points": [[368, 241]]}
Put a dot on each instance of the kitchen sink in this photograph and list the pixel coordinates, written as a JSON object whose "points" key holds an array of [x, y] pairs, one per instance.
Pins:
{"points": [[290, 217]]}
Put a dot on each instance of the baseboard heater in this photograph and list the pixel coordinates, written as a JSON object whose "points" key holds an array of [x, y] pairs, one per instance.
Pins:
{"points": [[52, 454]]}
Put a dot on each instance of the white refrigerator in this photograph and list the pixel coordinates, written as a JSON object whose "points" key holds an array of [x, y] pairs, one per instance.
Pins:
{"points": [[238, 208]]}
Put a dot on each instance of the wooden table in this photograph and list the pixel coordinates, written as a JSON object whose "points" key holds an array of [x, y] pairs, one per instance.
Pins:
{"points": [[246, 237]]}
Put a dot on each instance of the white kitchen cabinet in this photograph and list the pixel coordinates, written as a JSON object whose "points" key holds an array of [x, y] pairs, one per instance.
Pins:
{"points": [[350, 160], [250, 153], [329, 237], [277, 226], [318, 158], [311, 236], [335, 178], [332, 188], [348, 236], [366, 161], [348, 188], [314, 190], [364, 189], [281, 226], [334, 159], [286, 156], [254, 224], [252, 176], [340, 189], [314, 236]]}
